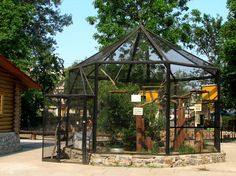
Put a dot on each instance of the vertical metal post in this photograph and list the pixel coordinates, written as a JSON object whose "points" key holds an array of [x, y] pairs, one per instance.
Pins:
{"points": [[67, 120], [148, 72], [95, 109], [175, 110], [45, 115], [59, 130], [84, 136], [167, 125], [217, 115]]}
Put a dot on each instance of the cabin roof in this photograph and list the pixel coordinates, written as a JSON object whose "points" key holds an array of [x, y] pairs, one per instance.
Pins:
{"points": [[15, 71]]}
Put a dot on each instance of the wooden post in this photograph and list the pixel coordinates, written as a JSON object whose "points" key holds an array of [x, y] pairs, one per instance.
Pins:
{"points": [[139, 133], [149, 143], [180, 132]]}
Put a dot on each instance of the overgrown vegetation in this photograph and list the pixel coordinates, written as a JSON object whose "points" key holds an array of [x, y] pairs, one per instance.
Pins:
{"points": [[228, 56], [116, 115], [185, 149], [227, 122]]}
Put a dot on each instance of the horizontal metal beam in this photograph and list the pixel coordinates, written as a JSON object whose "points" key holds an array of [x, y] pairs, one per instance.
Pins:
{"points": [[156, 80], [69, 95], [156, 62]]}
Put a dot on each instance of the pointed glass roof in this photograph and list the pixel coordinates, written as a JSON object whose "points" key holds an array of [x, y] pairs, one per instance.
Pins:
{"points": [[143, 46]]}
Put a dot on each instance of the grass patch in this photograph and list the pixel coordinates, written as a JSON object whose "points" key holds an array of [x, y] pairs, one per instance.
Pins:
{"points": [[185, 149]]}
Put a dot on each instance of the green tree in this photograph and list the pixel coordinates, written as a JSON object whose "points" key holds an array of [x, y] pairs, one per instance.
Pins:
{"points": [[205, 35], [27, 29], [15, 17], [115, 114], [116, 18], [229, 57]]}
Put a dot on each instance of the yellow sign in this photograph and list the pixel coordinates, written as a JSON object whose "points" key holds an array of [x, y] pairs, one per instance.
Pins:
{"points": [[212, 108], [150, 95], [212, 92]]}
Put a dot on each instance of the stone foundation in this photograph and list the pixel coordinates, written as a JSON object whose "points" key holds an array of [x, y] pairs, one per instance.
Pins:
{"points": [[155, 161], [9, 143], [73, 154]]}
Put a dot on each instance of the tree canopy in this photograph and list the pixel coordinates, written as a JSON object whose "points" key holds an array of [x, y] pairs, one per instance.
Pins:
{"points": [[116, 18], [27, 29], [26, 35], [228, 56], [205, 35], [170, 19]]}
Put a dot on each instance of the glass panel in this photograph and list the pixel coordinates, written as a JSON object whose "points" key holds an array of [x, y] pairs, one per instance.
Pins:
{"points": [[145, 50], [192, 140], [63, 124], [169, 52], [138, 73], [50, 124], [124, 52], [187, 72], [100, 56], [193, 58], [191, 109], [80, 81], [117, 124], [176, 54]]}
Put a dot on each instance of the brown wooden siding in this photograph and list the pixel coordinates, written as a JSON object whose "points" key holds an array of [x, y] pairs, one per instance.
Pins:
{"points": [[10, 88], [17, 104]]}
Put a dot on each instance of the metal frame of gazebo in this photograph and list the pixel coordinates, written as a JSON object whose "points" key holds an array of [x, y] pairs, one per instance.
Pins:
{"points": [[84, 77]]}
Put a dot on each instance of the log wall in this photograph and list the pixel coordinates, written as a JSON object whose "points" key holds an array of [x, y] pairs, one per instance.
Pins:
{"points": [[10, 91]]}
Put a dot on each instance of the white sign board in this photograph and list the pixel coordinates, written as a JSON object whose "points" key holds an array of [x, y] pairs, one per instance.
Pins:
{"points": [[198, 107], [135, 98], [137, 111]]}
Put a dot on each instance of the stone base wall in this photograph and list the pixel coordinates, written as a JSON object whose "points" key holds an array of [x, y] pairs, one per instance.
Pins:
{"points": [[155, 161], [9, 143]]}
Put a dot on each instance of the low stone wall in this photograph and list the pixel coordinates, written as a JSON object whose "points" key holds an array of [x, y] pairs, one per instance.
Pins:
{"points": [[155, 161], [9, 143]]}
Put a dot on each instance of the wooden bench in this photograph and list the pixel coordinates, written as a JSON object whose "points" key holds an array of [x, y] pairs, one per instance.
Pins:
{"points": [[33, 134]]}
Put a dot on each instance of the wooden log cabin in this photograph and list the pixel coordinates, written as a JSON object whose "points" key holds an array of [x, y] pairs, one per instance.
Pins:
{"points": [[12, 84]]}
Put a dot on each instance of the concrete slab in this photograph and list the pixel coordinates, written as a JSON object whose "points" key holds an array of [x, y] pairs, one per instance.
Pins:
{"points": [[28, 163]]}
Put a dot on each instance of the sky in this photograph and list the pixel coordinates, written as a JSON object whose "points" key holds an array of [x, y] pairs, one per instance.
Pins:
{"points": [[76, 42]]}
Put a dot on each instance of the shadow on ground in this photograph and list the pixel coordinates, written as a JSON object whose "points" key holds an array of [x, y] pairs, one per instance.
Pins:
{"points": [[27, 145], [30, 145]]}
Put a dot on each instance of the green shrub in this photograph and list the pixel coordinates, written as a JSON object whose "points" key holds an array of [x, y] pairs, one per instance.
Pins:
{"points": [[226, 122], [116, 115], [185, 149]]}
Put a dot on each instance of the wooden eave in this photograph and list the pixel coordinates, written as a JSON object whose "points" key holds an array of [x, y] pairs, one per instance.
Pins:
{"points": [[12, 69]]}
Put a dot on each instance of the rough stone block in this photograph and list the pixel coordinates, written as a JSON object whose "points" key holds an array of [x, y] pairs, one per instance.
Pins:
{"points": [[9, 143]]}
